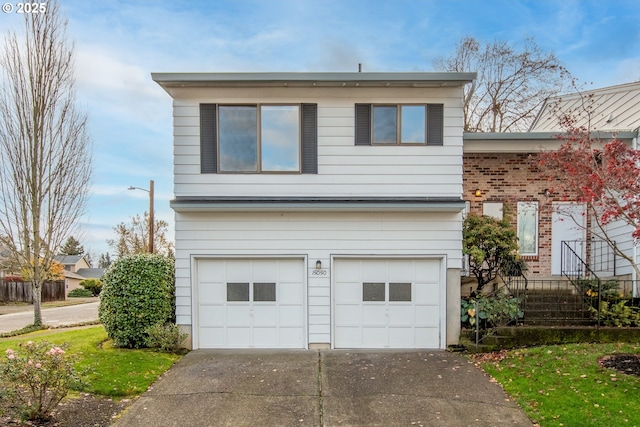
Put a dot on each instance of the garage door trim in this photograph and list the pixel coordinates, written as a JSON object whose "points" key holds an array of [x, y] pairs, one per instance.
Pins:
{"points": [[195, 300], [382, 257]]}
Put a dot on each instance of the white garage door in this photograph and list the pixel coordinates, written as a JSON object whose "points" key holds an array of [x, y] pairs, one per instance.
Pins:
{"points": [[387, 303], [255, 303]]}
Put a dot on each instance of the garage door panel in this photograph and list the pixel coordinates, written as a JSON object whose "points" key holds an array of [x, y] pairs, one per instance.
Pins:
{"points": [[427, 293], [291, 337], [429, 269], [375, 337], [238, 315], [350, 271], [212, 292], [376, 314], [238, 337], [238, 271], [373, 271], [290, 271], [348, 292], [402, 271], [427, 334], [210, 336], [401, 315], [291, 316], [209, 270], [406, 315], [427, 316], [401, 337], [264, 271], [212, 315], [349, 314], [265, 337], [265, 316], [289, 293], [270, 307], [349, 334]]}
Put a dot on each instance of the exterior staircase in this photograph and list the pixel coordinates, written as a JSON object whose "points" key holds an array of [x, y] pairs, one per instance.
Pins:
{"points": [[556, 308]]}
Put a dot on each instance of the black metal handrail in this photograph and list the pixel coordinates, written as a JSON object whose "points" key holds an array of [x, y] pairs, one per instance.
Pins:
{"points": [[578, 271]]}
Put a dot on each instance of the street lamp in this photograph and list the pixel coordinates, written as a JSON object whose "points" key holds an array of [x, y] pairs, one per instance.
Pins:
{"points": [[150, 191]]}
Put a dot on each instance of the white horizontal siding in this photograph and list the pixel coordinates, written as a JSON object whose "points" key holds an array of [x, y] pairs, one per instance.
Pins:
{"points": [[314, 236], [344, 170], [620, 232]]}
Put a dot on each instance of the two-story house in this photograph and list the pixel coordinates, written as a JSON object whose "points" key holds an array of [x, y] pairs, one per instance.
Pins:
{"points": [[318, 210]]}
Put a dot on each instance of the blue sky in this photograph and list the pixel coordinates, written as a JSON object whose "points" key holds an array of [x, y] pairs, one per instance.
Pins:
{"points": [[119, 43]]}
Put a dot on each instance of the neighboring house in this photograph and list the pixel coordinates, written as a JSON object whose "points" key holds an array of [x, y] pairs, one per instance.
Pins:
{"points": [[318, 210], [500, 168], [77, 269]]}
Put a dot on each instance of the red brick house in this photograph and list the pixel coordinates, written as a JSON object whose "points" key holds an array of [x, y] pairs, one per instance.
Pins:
{"points": [[501, 169]]}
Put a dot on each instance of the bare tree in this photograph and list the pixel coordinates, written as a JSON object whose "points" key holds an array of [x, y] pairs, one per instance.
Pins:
{"points": [[511, 84], [45, 156], [133, 238]]}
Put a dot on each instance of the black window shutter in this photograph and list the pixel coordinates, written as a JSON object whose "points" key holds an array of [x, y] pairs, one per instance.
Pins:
{"points": [[208, 137], [363, 124], [309, 138], [435, 124]]}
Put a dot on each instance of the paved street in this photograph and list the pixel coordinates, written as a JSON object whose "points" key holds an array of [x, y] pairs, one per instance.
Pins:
{"points": [[57, 316]]}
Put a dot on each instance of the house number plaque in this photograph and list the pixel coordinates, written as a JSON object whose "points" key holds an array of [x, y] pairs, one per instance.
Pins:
{"points": [[321, 272]]}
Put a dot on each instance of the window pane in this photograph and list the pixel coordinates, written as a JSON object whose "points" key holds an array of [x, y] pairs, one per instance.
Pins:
{"points": [[237, 292], [373, 292], [528, 228], [238, 139], [399, 291], [264, 292], [385, 124], [280, 136], [413, 124]]}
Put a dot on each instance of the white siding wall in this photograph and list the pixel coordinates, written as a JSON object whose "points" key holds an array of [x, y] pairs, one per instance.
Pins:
{"points": [[343, 168], [620, 232], [316, 236]]}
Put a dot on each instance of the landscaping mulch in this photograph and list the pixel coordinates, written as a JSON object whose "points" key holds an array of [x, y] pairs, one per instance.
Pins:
{"points": [[625, 363], [84, 411]]}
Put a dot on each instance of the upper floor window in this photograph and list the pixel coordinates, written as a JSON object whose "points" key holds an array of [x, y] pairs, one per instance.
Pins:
{"points": [[399, 124], [258, 138], [404, 124], [262, 138]]}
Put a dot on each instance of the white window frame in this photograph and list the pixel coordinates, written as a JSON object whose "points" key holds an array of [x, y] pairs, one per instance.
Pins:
{"points": [[524, 208]]}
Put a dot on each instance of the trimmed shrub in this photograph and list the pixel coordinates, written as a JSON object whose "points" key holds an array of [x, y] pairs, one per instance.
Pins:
{"points": [[92, 285], [165, 337], [137, 292], [80, 293]]}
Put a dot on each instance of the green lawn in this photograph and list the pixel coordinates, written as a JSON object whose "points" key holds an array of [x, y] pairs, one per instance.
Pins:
{"points": [[564, 386], [107, 370]]}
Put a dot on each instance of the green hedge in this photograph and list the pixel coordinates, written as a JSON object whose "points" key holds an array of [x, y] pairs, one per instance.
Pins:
{"points": [[137, 292]]}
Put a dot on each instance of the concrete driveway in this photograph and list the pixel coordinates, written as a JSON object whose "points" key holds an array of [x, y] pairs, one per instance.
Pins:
{"points": [[323, 388]]}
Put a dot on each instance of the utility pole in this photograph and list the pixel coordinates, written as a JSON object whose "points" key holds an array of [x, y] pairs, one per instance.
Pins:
{"points": [[151, 217]]}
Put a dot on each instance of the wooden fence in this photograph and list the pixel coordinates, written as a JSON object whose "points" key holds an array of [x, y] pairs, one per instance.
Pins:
{"points": [[23, 291]]}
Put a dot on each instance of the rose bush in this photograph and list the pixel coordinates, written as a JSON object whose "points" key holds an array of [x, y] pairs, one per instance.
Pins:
{"points": [[37, 376]]}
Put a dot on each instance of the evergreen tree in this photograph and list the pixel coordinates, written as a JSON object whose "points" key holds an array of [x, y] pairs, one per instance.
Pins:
{"points": [[72, 247]]}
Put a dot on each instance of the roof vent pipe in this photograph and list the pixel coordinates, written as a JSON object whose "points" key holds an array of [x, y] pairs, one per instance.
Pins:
{"points": [[359, 67]]}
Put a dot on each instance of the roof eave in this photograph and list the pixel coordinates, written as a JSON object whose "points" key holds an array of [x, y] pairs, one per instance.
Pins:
{"points": [[431, 79]]}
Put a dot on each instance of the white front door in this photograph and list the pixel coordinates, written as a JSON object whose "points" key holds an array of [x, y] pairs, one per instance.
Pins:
{"points": [[568, 224], [388, 303], [251, 303]]}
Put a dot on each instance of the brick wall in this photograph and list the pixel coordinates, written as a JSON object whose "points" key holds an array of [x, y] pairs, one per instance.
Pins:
{"points": [[512, 178]]}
